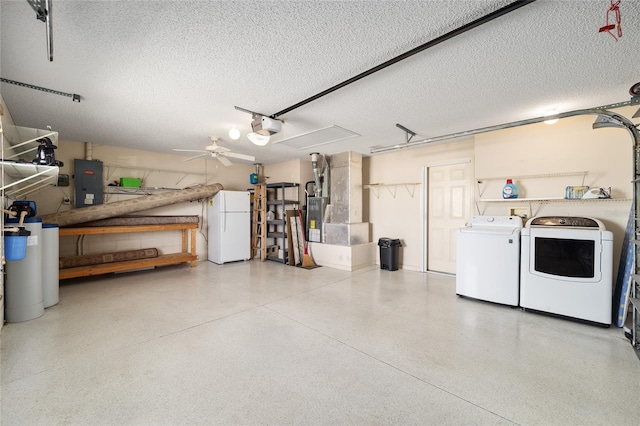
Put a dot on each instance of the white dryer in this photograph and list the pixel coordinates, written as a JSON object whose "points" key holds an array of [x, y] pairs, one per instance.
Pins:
{"points": [[488, 259], [567, 267]]}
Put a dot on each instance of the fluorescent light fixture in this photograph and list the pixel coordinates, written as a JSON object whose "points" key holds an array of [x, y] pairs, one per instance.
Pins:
{"points": [[258, 139], [318, 137]]}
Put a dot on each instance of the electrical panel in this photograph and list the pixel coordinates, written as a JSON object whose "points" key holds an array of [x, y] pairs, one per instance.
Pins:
{"points": [[88, 189], [315, 213]]}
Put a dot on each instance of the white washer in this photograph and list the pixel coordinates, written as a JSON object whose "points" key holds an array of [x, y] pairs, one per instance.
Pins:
{"points": [[567, 267], [488, 259]]}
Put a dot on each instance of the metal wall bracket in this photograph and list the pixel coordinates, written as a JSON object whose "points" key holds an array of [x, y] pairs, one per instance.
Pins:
{"points": [[74, 96]]}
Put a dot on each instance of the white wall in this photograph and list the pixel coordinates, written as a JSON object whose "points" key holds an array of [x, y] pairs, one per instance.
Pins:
{"points": [[296, 171], [156, 170], [567, 146], [570, 145], [399, 216]]}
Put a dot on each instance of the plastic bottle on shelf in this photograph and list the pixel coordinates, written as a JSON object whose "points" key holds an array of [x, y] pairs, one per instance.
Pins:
{"points": [[510, 190]]}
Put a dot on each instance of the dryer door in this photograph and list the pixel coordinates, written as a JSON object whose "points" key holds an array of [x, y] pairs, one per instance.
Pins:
{"points": [[566, 254]]}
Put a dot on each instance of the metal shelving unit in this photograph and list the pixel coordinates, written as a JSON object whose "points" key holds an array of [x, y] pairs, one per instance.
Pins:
{"points": [[278, 201]]}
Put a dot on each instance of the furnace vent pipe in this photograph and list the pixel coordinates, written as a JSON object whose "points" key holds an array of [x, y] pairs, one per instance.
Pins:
{"points": [[316, 174], [88, 151]]}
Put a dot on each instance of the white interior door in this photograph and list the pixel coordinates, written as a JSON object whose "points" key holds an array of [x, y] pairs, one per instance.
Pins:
{"points": [[449, 195]]}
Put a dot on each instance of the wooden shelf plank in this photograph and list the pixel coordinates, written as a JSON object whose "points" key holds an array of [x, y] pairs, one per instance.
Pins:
{"points": [[97, 230], [106, 268]]}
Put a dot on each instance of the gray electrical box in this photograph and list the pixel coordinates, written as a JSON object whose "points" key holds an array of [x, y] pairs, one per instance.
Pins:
{"points": [[87, 183]]}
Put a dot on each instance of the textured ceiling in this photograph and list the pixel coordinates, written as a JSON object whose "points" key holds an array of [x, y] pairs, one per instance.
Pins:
{"points": [[156, 75]]}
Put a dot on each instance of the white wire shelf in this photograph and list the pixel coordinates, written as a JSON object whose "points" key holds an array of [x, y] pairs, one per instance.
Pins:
{"points": [[537, 176], [19, 176], [392, 188], [30, 178], [548, 200]]}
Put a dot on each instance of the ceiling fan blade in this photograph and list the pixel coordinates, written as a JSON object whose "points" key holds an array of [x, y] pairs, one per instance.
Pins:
{"points": [[197, 156], [188, 150], [240, 156], [225, 161]]}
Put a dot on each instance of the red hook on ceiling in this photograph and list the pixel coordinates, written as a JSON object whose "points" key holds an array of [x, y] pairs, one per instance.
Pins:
{"points": [[614, 8]]}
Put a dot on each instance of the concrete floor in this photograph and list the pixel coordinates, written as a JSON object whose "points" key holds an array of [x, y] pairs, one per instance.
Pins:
{"points": [[264, 343]]}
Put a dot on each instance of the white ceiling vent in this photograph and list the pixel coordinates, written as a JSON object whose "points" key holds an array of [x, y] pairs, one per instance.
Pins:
{"points": [[318, 137]]}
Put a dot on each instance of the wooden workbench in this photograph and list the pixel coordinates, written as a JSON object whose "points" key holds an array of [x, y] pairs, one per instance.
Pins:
{"points": [[166, 259]]}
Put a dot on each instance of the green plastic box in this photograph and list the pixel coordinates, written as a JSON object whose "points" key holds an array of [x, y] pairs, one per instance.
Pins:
{"points": [[127, 182]]}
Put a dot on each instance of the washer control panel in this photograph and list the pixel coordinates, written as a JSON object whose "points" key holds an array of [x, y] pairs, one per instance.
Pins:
{"points": [[566, 221], [512, 222]]}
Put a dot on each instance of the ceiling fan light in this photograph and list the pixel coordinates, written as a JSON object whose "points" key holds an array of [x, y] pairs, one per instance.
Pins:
{"points": [[258, 139], [234, 133]]}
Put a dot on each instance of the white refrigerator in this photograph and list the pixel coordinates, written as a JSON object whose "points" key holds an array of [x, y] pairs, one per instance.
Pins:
{"points": [[229, 235]]}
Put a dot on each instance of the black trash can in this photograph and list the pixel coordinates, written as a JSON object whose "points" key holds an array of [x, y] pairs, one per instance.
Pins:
{"points": [[389, 249]]}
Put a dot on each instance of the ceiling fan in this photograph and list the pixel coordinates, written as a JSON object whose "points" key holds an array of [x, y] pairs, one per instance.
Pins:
{"points": [[218, 152]]}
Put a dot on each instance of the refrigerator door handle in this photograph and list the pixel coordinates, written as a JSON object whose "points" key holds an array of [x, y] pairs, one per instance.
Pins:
{"points": [[223, 206]]}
